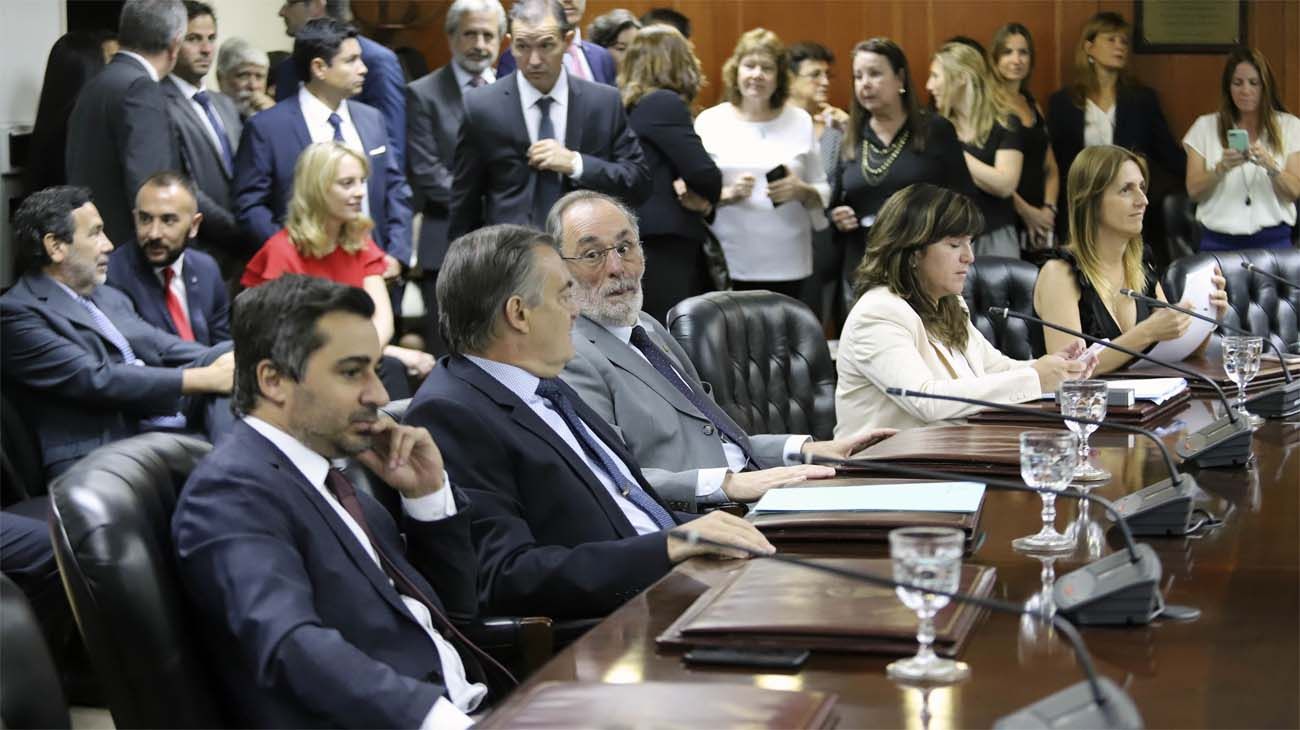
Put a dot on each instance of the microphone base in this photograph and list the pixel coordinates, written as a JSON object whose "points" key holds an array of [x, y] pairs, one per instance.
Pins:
{"points": [[1159, 509], [1076, 707], [1279, 402], [1112, 591], [1221, 443]]}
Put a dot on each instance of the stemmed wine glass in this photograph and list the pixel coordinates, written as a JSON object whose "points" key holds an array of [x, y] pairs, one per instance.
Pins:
{"points": [[1047, 460], [1241, 363], [1085, 399], [929, 557]]}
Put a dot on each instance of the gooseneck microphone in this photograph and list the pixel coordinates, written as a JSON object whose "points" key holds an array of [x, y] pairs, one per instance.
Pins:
{"points": [[1248, 266], [1095, 702], [1223, 442], [1163, 508], [1278, 402]]}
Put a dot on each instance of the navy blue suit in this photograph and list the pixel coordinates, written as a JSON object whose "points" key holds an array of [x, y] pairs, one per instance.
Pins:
{"points": [[205, 292], [269, 149], [384, 89], [550, 539], [603, 70], [306, 629]]}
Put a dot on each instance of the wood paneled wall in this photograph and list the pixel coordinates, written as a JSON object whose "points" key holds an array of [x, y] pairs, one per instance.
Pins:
{"points": [[1187, 83]]}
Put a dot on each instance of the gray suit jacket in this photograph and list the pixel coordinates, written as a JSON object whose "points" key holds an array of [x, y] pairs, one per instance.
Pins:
{"points": [[670, 437], [201, 160], [434, 111]]}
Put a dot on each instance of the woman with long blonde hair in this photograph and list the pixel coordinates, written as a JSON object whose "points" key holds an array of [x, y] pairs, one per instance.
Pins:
{"points": [[966, 93], [327, 234]]}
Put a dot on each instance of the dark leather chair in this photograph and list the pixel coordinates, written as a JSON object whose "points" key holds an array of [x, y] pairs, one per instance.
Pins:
{"points": [[765, 358], [22, 476], [1256, 303], [1182, 230], [30, 694], [997, 281]]}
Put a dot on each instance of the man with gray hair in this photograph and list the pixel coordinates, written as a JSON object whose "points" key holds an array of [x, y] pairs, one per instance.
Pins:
{"points": [[564, 524], [241, 74], [119, 132], [632, 372], [435, 108]]}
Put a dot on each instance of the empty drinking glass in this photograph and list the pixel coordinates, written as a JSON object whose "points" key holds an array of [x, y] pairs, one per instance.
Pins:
{"points": [[1085, 399], [1047, 460], [929, 557], [1241, 363]]}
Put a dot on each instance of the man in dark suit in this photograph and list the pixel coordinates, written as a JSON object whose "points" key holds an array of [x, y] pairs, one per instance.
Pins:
{"points": [[510, 164], [317, 614], [91, 369], [328, 54], [207, 128], [174, 287], [383, 89], [119, 132], [564, 524], [632, 372], [434, 110], [582, 59]]}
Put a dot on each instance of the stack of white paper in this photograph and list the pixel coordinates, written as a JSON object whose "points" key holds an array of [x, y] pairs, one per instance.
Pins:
{"points": [[914, 497], [1156, 390]]}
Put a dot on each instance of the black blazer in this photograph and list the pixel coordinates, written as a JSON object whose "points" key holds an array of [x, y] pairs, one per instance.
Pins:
{"points": [[118, 135], [549, 538], [205, 292], [673, 150], [305, 628], [434, 112], [493, 182]]}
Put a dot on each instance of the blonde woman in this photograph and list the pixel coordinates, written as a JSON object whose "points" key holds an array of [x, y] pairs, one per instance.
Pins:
{"points": [[966, 93], [1079, 288], [326, 234]]}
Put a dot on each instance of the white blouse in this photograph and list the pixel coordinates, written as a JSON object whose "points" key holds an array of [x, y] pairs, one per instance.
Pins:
{"points": [[762, 241], [1225, 211], [1098, 125]]}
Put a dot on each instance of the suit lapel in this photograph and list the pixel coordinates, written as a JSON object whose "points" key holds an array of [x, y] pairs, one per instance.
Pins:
{"points": [[56, 300], [574, 118], [191, 118], [510, 90], [194, 298], [625, 357], [157, 299], [299, 122], [452, 99]]}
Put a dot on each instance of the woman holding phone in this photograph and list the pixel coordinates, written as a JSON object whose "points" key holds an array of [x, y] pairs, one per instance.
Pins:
{"points": [[1243, 161], [774, 189]]}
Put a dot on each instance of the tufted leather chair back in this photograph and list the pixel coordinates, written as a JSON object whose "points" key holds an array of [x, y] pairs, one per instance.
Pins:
{"points": [[112, 538], [1256, 303], [997, 281], [30, 694], [764, 356], [1181, 227]]}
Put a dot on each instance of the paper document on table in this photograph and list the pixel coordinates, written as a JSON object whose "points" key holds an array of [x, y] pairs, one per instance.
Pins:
{"points": [[1156, 390], [1196, 294], [913, 497]]}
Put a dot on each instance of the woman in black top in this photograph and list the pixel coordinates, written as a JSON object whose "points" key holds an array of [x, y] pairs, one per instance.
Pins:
{"points": [[1035, 198], [890, 143], [74, 58], [659, 76]]}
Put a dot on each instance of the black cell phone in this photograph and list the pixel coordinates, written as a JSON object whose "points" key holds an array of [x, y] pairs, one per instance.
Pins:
{"points": [[777, 173], [787, 659]]}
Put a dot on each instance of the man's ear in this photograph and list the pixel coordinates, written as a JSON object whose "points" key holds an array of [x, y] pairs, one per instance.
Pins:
{"points": [[272, 384], [317, 68], [54, 248], [194, 225], [517, 314]]}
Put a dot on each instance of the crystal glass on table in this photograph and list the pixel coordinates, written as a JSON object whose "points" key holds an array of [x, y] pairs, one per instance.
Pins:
{"points": [[1084, 399], [1047, 461], [1241, 364], [929, 557]]}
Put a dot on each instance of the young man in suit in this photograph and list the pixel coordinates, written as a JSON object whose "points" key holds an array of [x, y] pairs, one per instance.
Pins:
{"points": [[572, 133], [582, 59], [327, 53], [207, 128], [118, 133], [317, 613], [174, 287], [91, 369], [564, 524], [632, 372], [434, 110]]}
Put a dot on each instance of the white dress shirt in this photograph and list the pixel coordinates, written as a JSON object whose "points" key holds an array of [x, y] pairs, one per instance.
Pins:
{"points": [[465, 696], [463, 77], [153, 72], [559, 112], [189, 90], [1098, 125], [317, 116], [524, 385], [178, 282]]}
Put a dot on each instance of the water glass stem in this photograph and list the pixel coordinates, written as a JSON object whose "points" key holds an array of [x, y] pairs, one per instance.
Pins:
{"points": [[925, 635], [1049, 512]]}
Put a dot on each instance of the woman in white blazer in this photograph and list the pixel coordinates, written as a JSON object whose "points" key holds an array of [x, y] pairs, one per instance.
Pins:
{"points": [[910, 328]]}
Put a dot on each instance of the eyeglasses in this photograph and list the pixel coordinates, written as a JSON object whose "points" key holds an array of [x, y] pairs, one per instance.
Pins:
{"points": [[628, 252]]}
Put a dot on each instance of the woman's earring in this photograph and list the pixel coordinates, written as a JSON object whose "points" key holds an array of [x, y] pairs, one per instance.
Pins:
{"points": [[902, 92]]}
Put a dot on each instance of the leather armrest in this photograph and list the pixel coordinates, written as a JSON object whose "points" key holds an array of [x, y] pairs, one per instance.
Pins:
{"points": [[520, 642]]}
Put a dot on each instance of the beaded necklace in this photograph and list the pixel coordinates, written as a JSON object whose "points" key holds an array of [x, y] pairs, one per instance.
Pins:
{"points": [[875, 173]]}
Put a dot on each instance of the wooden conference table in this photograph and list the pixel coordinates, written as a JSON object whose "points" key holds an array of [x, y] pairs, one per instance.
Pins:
{"points": [[1238, 665]]}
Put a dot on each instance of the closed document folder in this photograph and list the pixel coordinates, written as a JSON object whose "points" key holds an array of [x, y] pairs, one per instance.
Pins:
{"points": [[866, 512]]}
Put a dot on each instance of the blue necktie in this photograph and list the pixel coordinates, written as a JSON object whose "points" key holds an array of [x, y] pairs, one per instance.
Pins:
{"points": [[549, 388], [227, 156], [115, 336], [547, 187], [710, 410], [337, 123]]}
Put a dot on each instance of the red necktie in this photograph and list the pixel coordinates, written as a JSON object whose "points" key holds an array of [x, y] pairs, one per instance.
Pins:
{"points": [[175, 309]]}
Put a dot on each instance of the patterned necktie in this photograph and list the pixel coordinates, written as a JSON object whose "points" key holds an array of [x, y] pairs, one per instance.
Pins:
{"points": [[710, 410], [346, 494], [476, 82], [114, 335], [549, 388], [547, 186], [337, 123], [575, 62], [174, 308], [227, 155]]}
